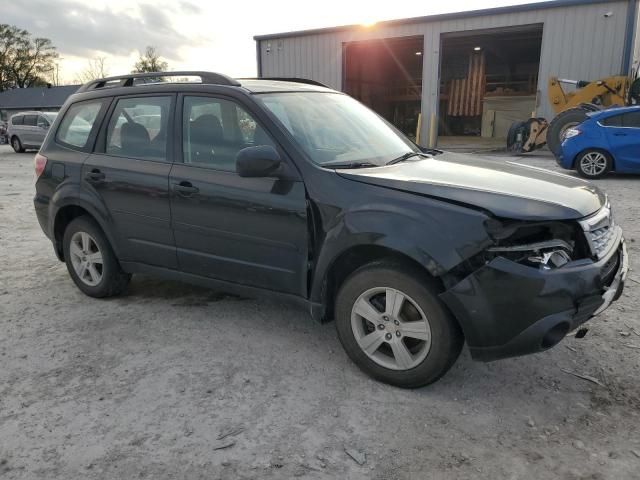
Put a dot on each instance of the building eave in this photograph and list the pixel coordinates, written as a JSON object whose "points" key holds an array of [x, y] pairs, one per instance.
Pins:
{"points": [[438, 17]]}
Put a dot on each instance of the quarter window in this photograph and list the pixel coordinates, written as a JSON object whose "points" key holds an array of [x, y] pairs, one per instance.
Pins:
{"points": [[138, 128], [215, 130], [77, 123], [17, 120]]}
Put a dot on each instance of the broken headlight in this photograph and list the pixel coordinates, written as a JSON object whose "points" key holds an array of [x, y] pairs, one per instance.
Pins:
{"points": [[547, 254], [544, 245]]}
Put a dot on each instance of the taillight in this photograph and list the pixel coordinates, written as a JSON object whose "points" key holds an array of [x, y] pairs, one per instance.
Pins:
{"points": [[39, 163]]}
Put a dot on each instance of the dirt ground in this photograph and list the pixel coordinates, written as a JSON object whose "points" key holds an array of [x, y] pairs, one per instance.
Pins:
{"points": [[172, 381]]}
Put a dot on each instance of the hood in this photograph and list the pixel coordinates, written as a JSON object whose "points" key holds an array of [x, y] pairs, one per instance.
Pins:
{"points": [[506, 189]]}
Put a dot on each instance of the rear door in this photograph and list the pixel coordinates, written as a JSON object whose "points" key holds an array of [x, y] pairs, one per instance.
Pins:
{"points": [[129, 172], [623, 134], [251, 231], [29, 129]]}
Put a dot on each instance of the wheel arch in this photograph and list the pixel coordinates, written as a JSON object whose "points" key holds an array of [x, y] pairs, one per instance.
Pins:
{"points": [[355, 257], [65, 215], [599, 149]]}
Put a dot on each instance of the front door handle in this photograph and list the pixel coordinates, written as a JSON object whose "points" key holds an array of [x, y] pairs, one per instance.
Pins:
{"points": [[95, 175], [620, 134], [185, 189]]}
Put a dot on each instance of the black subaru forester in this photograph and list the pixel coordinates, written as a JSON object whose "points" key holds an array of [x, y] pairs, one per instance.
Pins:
{"points": [[286, 187]]}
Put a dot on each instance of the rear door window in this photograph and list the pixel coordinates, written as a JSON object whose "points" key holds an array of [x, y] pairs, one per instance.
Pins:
{"points": [[77, 124], [138, 128], [31, 120], [17, 120]]}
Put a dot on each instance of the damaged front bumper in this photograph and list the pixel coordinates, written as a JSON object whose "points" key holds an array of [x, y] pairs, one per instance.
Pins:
{"points": [[507, 309]]}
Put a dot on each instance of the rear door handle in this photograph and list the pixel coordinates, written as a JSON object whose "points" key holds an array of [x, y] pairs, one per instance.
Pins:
{"points": [[95, 175], [620, 134], [185, 189]]}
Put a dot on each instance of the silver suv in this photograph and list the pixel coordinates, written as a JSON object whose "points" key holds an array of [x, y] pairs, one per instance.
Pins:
{"points": [[28, 129]]}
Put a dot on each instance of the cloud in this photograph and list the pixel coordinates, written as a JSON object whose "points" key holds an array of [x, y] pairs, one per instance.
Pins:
{"points": [[80, 29]]}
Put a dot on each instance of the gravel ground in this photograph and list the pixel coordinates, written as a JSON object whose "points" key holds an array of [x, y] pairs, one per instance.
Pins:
{"points": [[173, 381]]}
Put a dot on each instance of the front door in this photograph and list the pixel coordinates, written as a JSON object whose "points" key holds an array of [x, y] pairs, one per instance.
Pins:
{"points": [[130, 174], [251, 231]]}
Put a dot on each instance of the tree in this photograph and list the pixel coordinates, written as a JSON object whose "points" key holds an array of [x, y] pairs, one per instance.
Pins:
{"points": [[96, 68], [24, 61], [150, 61]]}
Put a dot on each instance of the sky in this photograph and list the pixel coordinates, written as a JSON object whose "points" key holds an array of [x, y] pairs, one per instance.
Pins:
{"points": [[196, 35]]}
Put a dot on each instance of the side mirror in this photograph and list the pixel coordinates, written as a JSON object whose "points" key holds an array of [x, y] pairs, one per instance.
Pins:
{"points": [[261, 161]]}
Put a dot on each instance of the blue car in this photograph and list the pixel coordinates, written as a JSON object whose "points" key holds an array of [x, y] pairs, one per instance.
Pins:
{"points": [[609, 140]]}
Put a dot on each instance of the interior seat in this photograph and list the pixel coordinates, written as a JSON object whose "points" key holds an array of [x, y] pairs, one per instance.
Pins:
{"points": [[134, 140]]}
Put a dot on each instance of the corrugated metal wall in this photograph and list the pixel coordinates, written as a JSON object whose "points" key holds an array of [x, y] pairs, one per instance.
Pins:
{"points": [[635, 61], [579, 42]]}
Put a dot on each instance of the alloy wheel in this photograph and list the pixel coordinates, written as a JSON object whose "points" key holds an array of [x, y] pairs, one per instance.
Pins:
{"points": [[391, 328], [86, 258], [593, 163]]}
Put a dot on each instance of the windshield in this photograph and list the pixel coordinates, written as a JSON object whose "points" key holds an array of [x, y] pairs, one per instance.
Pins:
{"points": [[332, 128]]}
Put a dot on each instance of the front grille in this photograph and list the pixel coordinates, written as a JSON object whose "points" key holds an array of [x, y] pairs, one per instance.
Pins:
{"points": [[602, 240], [600, 231]]}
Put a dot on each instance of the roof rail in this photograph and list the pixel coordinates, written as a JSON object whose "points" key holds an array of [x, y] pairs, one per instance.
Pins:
{"points": [[127, 80], [308, 81]]}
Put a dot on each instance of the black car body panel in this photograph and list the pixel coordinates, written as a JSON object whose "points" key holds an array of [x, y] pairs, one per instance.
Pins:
{"points": [[505, 189], [294, 233], [557, 302]]}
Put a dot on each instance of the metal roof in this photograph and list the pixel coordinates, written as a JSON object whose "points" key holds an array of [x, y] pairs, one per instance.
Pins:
{"points": [[439, 17], [36, 97]]}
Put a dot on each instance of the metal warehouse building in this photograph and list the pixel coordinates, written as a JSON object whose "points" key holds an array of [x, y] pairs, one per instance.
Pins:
{"points": [[468, 74]]}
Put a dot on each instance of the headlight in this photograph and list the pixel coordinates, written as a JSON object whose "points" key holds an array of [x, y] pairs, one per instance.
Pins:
{"points": [[570, 133], [548, 254], [544, 245]]}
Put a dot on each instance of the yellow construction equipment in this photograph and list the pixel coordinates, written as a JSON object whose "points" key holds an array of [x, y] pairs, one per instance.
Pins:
{"points": [[571, 108]]}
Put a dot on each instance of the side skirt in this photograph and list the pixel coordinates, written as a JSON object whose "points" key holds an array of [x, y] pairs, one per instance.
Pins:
{"points": [[315, 310]]}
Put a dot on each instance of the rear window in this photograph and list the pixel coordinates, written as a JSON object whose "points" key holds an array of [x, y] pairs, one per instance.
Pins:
{"points": [[17, 120], [77, 123]]}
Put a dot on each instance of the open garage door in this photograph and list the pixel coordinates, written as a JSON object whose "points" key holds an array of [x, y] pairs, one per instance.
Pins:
{"points": [[386, 75], [488, 80]]}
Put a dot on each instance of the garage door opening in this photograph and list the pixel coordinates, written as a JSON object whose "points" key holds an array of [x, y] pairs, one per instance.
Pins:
{"points": [[386, 75], [488, 80]]}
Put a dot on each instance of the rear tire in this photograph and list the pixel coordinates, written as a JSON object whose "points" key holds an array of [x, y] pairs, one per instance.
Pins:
{"points": [[377, 336], [593, 164], [17, 145], [562, 122], [90, 260]]}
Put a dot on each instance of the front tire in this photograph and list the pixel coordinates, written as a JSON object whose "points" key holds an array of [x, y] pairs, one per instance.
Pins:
{"points": [[90, 260], [393, 326], [17, 145], [593, 164]]}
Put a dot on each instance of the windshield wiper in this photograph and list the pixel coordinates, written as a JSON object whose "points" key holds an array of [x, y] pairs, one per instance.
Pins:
{"points": [[349, 165], [407, 156]]}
